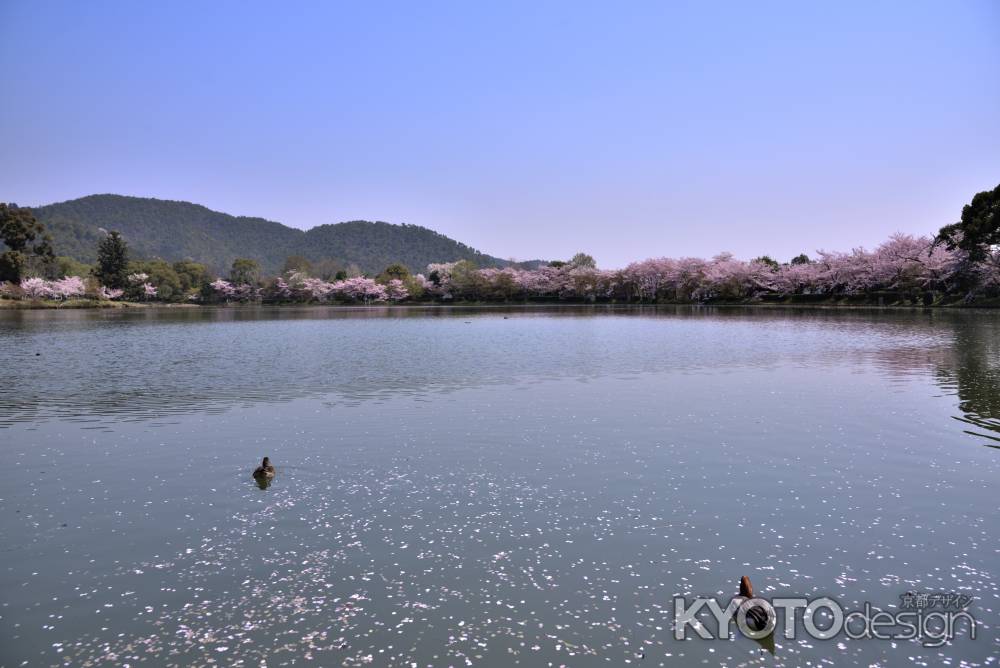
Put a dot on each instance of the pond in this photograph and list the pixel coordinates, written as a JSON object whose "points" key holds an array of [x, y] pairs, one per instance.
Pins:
{"points": [[488, 487]]}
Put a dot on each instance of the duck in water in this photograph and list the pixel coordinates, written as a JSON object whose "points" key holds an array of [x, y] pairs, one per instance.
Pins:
{"points": [[756, 616], [265, 471]]}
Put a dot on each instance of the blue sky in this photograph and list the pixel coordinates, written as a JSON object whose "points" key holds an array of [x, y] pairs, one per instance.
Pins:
{"points": [[534, 129]]}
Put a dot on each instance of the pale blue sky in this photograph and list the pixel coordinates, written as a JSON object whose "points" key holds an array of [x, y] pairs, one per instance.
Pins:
{"points": [[531, 129]]}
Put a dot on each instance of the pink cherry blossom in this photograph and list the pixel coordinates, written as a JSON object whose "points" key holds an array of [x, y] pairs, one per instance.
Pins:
{"points": [[109, 293], [397, 290], [361, 289], [36, 288], [314, 288], [223, 288], [67, 287]]}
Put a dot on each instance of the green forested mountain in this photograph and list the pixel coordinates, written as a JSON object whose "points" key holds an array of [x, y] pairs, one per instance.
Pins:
{"points": [[174, 231]]}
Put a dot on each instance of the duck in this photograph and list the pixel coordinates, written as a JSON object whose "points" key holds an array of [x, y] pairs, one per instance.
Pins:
{"points": [[756, 616], [265, 470]]}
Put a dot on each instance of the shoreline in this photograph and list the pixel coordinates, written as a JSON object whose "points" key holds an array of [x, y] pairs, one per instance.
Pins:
{"points": [[844, 303]]}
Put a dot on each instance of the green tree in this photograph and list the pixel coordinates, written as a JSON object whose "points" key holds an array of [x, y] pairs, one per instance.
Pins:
{"points": [[67, 266], [979, 228], [584, 260], [192, 276], [394, 270], [245, 271], [26, 240], [504, 287], [329, 269], [414, 287], [801, 258], [557, 263], [297, 263], [767, 260], [465, 280], [112, 261], [162, 275]]}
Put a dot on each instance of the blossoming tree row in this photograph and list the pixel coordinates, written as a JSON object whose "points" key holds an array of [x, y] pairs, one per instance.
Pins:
{"points": [[903, 264]]}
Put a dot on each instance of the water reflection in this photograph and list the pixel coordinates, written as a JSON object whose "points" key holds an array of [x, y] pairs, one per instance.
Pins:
{"points": [[973, 374], [111, 366], [530, 491]]}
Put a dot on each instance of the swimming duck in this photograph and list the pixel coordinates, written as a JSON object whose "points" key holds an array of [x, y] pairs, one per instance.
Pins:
{"points": [[756, 616], [265, 470]]}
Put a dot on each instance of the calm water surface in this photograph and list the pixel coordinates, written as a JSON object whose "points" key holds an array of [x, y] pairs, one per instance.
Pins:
{"points": [[487, 487]]}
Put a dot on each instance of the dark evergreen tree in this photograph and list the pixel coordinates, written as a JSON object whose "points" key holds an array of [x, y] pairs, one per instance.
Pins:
{"points": [[112, 261], [979, 228]]}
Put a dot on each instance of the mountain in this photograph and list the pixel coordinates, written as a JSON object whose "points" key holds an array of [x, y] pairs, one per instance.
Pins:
{"points": [[181, 230]]}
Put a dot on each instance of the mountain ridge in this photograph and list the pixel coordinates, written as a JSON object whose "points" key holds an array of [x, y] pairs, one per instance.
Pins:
{"points": [[180, 230]]}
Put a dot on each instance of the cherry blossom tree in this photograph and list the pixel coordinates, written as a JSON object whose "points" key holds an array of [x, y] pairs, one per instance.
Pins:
{"points": [[67, 287], [396, 290], [282, 289], [36, 288], [223, 289], [361, 289], [109, 293], [314, 288]]}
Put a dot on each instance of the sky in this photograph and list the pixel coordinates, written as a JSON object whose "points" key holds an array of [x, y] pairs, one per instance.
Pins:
{"points": [[525, 129]]}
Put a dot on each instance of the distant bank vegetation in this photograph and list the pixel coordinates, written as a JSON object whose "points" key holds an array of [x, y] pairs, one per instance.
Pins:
{"points": [[961, 264]]}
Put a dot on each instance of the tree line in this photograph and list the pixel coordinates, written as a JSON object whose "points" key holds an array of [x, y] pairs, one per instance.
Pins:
{"points": [[961, 262]]}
